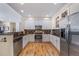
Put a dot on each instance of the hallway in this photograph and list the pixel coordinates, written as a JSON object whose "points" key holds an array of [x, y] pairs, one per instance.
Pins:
{"points": [[39, 49]]}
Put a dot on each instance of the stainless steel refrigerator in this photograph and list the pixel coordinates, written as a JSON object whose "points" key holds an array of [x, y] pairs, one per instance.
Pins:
{"points": [[69, 45]]}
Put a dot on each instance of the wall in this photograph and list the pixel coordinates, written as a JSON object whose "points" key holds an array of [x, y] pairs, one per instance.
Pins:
{"points": [[7, 14]]}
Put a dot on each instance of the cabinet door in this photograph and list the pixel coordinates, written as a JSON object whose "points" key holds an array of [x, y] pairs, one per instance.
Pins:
{"points": [[46, 38], [25, 40]]}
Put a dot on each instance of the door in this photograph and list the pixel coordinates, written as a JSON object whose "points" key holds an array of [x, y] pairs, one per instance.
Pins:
{"points": [[12, 27]]}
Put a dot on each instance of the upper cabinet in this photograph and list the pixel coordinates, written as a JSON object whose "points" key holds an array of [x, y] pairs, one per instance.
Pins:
{"points": [[62, 19]]}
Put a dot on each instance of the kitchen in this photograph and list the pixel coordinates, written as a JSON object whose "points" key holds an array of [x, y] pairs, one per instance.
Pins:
{"points": [[21, 24], [18, 31]]}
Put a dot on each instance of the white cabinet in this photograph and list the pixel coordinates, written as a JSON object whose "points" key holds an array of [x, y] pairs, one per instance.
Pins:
{"points": [[25, 40], [28, 38], [31, 38], [46, 37], [55, 41]]}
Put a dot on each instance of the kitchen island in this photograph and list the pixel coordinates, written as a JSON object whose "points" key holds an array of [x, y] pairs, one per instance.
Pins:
{"points": [[10, 44]]}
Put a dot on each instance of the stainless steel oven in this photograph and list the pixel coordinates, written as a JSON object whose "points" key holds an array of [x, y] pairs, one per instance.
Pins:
{"points": [[38, 37]]}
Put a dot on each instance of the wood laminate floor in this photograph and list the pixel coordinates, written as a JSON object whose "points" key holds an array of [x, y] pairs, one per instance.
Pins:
{"points": [[39, 49]]}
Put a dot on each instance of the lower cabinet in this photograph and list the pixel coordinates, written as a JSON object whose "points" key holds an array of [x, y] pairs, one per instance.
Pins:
{"points": [[11, 46], [46, 37], [55, 40], [28, 38], [25, 40]]}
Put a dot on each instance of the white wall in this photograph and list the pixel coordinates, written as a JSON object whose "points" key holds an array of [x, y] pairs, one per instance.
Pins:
{"points": [[7, 14]]}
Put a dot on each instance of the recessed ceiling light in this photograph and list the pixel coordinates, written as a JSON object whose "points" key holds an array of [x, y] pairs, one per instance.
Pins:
{"points": [[22, 11], [54, 3], [22, 3]]}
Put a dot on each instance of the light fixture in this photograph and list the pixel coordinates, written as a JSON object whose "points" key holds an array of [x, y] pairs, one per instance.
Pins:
{"points": [[22, 3], [22, 11], [54, 3]]}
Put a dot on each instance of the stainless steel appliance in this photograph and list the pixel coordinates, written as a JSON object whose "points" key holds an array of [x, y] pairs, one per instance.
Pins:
{"points": [[73, 33], [38, 37], [38, 33], [70, 44], [17, 45]]}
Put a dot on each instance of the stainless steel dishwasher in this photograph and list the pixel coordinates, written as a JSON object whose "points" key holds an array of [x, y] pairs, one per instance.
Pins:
{"points": [[17, 45]]}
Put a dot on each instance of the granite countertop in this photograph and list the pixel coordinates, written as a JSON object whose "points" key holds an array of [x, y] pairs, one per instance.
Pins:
{"points": [[8, 33]]}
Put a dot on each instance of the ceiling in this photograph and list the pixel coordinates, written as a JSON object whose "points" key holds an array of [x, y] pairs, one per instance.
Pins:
{"points": [[37, 9]]}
